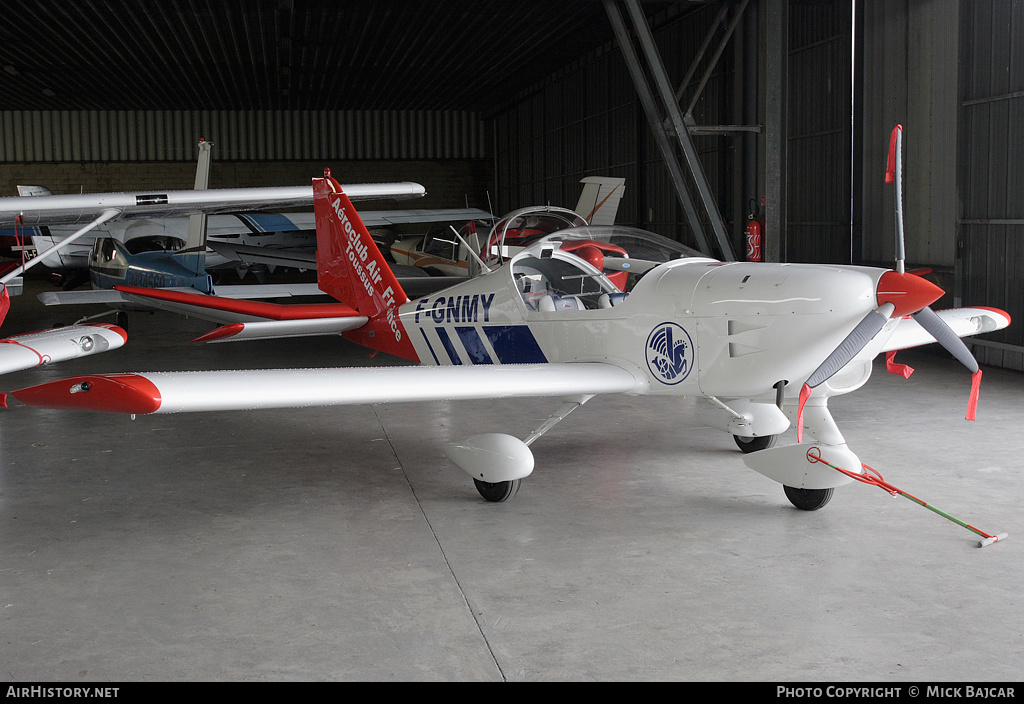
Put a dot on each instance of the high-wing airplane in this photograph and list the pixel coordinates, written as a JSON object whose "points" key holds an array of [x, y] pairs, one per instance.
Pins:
{"points": [[765, 344], [147, 221]]}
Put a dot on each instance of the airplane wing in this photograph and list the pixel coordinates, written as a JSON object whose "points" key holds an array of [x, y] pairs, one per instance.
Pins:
{"points": [[268, 256], [412, 216], [175, 392], [962, 321], [415, 282], [110, 296], [84, 208], [47, 346]]}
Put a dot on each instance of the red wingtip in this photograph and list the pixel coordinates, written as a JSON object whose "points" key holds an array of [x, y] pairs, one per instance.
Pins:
{"points": [[113, 328], [972, 403], [115, 393]]}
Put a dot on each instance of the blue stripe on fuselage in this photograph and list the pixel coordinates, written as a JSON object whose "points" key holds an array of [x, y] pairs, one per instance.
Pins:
{"points": [[430, 347], [514, 344], [478, 353], [453, 355]]}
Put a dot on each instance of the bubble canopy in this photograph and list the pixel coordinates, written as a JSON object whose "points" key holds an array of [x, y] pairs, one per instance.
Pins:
{"points": [[589, 267]]}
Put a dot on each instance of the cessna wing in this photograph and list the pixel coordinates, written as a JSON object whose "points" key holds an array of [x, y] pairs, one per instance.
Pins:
{"points": [[81, 209], [96, 209]]}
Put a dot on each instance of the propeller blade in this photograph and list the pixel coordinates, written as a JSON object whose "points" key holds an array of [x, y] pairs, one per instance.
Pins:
{"points": [[853, 343], [949, 340], [945, 336]]}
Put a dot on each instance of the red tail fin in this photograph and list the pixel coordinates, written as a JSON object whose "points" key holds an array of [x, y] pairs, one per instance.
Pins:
{"points": [[351, 268]]}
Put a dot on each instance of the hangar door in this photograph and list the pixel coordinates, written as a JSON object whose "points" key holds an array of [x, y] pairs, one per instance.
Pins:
{"points": [[990, 224], [818, 133]]}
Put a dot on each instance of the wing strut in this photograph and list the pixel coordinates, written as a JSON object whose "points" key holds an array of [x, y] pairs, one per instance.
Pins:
{"points": [[104, 216]]}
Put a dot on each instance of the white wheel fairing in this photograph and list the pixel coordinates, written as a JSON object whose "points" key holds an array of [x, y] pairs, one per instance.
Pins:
{"points": [[799, 465], [491, 457]]}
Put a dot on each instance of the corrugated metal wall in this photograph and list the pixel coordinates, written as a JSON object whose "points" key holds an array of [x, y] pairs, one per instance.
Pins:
{"points": [[991, 178], [587, 121], [819, 136], [909, 76], [583, 124], [104, 136]]}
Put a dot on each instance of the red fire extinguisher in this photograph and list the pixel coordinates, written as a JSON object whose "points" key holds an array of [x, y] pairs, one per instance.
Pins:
{"points": [[754, 231]]}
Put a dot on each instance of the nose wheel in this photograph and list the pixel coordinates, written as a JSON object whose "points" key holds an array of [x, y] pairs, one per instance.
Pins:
{"points": [[497, 491], [808, 499]]}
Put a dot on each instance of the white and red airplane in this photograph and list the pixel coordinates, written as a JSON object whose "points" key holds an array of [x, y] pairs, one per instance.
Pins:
{"points": [[584, 311]]}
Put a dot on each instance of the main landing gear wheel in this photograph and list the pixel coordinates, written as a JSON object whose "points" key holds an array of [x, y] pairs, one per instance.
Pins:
{"points": [[755, 444], [497, 491], [808, 499]]}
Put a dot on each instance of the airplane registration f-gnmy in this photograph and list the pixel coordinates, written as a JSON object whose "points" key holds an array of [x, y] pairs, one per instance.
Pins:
{"points": [[581, 312]]}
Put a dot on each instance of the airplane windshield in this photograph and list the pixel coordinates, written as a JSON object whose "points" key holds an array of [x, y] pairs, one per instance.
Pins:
{"points": [[519, 228], [623, 254], [638, 244]]}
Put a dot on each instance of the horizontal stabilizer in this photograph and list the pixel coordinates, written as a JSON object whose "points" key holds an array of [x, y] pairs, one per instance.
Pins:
{"points": [[271, 329], [173, 392], [221, 309]]}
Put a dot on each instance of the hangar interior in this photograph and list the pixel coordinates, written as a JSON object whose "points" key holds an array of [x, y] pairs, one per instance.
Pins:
{"points": [[327, 544]]}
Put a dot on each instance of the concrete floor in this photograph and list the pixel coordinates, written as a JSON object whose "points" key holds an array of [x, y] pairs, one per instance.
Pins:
{"points": [[340, 544]]}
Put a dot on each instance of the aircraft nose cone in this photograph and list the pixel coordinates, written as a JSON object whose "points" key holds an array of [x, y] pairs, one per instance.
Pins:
{"points": [[909, 293]]}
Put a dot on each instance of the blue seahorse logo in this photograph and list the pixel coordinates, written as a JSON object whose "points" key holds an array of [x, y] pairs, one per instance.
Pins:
{"points": [[669, 353]]}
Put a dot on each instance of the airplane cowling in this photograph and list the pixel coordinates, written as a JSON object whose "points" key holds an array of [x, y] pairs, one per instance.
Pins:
{"points": [[491, 457], [795, 466]]}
